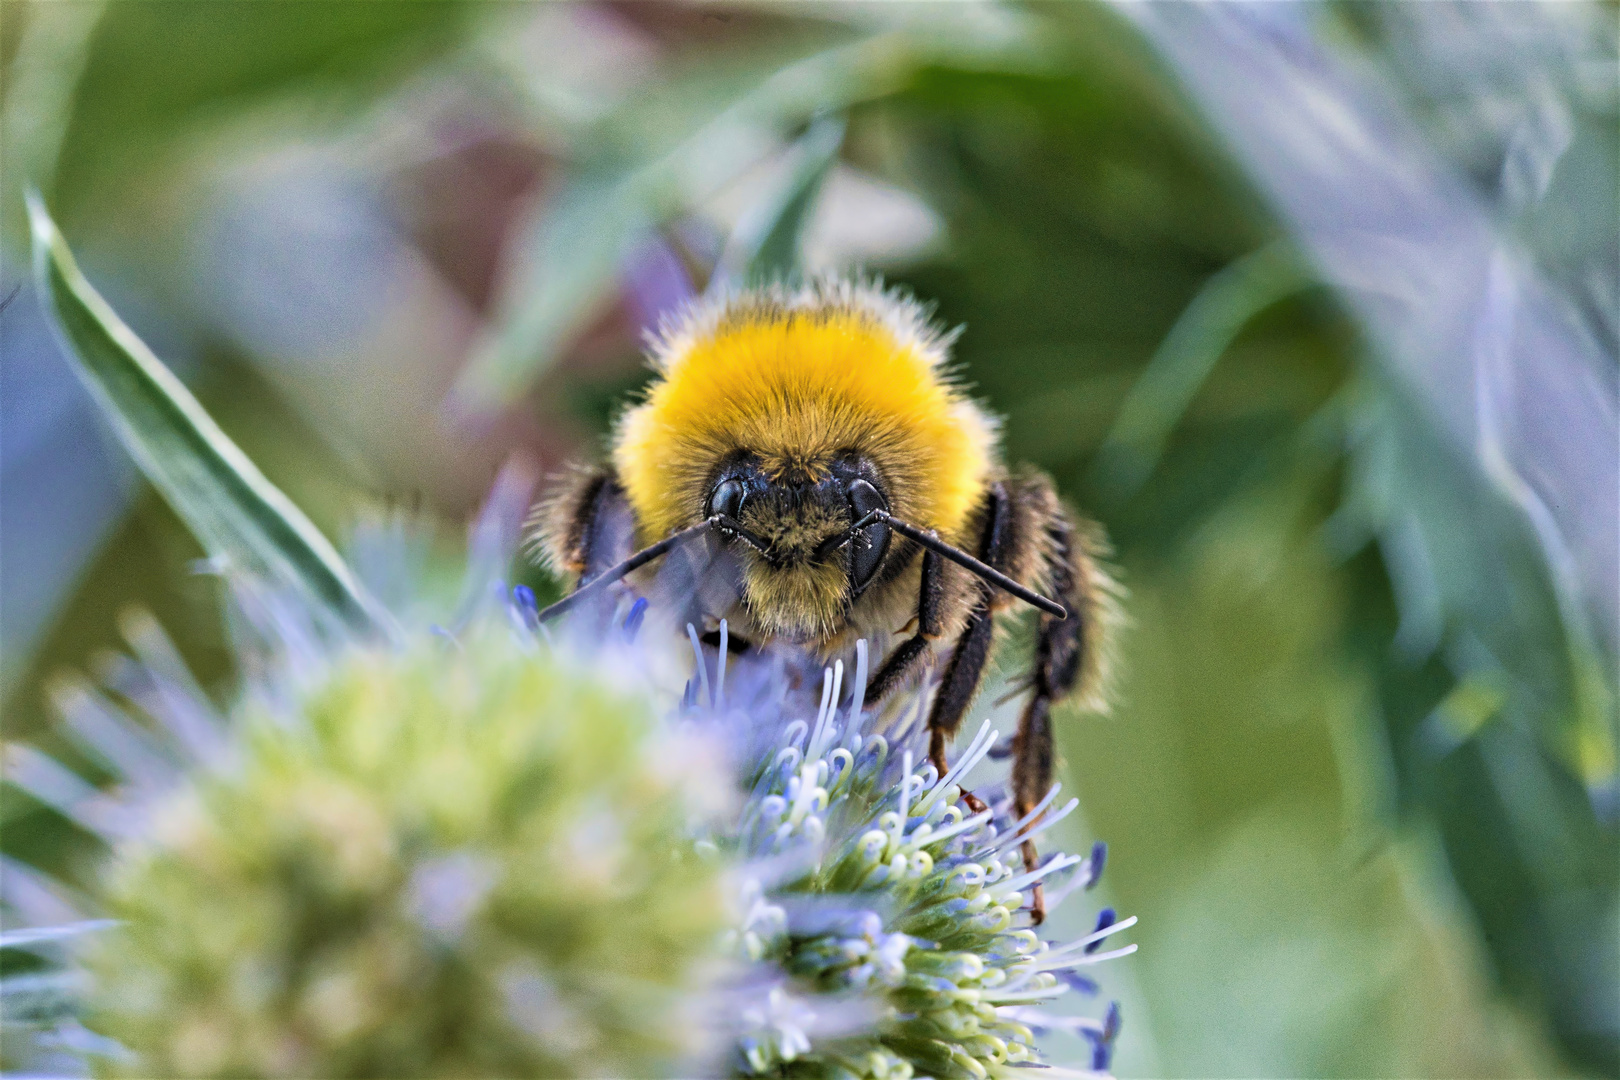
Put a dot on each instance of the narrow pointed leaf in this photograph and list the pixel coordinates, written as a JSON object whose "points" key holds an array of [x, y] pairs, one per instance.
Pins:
{"points": [[566, 263], [1200, 337], [241, 519], [40, 997], [772, 239]]}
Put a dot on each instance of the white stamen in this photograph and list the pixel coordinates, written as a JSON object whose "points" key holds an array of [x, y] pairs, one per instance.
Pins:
{"points": [[154, 649], [842, 764], [1039, 1018], [794, 732], [1080, 944], [106, 731], [1098, 958], [814, 749], [703, 670], [862, 651], [958, 827], [1015, 884], [37, 898], [13, 939], [69, 794], [720, 667], [972, 874], [1001, 998], [1076, 883], [832, 713], [1015, 837], [191, 722], [905, 791]]}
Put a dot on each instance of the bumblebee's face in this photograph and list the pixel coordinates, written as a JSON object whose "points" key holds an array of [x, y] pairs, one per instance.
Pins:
{"points": [[801, 571]]}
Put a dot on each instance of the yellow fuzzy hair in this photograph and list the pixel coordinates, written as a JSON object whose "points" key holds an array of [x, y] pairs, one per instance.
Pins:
{"points": [[797, 377]]}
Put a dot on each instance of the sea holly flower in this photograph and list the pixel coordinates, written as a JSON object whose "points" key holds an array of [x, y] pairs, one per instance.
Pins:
{"points": [[875, 884], [454, 857]]}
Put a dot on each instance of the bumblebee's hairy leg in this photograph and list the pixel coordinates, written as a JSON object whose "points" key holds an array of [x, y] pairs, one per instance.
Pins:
{"points": [[957, 691], [1067, 658], [903, 662], [972, 652], [1056, 646]]}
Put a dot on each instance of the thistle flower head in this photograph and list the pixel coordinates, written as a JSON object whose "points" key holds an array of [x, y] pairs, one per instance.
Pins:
{"points": [[456, 858], [875, 888]]}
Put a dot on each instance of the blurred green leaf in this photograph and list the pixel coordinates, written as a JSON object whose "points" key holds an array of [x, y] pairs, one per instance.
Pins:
{"points": [[1521, 779], [567, 269], [1180, 366], [1284, 931], [1475, 701], [237, 515], [42, 78], [567, 264], [768, 242], [157, 71]]}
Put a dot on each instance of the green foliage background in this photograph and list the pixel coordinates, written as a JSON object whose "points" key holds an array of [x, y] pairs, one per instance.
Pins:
{"points": [[1351, 855]]}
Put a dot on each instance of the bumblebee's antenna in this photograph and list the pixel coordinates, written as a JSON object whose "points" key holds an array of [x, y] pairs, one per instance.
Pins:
{"points": [[960, 558], [630, 565]]}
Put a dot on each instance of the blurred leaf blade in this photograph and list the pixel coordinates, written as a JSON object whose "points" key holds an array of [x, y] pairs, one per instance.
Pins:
{"points": [[235, 512], [568, 262], [571, 259], [772, 241], [155, 74], [1190, 351], [40, 95]]}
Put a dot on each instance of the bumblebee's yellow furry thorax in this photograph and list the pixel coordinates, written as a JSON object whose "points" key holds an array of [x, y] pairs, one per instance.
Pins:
{"points": [[797, 378]]}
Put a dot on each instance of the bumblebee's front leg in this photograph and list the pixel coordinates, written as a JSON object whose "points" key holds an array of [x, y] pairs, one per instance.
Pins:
{"points": [[972, 652], [966, 667], [903, 662]]}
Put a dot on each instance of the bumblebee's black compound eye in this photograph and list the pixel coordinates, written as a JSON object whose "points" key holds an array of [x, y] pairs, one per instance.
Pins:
{"points": [[868, 546], [727, 498]]}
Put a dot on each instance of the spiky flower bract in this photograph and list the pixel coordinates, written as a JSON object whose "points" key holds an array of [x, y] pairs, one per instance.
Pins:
{"points": [[885, 921], [466, 858]]}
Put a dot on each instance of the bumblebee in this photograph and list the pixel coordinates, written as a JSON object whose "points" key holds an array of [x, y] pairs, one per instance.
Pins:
{"points": [[814, 443]]}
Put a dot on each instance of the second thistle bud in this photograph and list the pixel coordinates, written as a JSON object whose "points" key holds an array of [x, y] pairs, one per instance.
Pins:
{"points": [[469, 860]]}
